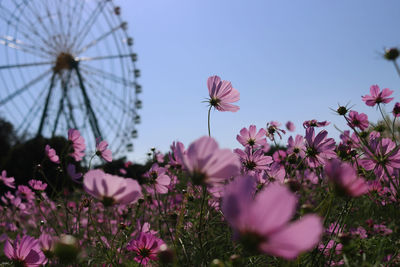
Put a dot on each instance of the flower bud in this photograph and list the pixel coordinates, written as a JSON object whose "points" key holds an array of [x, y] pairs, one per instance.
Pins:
{"points": [[391, 53]]}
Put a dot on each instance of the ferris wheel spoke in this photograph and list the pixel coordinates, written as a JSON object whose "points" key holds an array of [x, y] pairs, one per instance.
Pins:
{"points": [[26, 65], [25, 27], [103, 57], [20, 45], [32, 111], [35, 12], [81, 35], [107, 75], [89, 110], [25, 87], [98, 39], [46, 105], [108, 94]]}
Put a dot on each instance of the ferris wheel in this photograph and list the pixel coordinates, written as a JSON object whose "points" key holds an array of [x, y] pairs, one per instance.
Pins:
{"points": [[68, 64]]}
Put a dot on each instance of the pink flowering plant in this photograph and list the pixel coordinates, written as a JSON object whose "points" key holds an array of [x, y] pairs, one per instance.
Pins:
{"points": [[281, 198]]}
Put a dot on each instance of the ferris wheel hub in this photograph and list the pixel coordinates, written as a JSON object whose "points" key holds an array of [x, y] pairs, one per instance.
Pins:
{"points": [[65, 61]]}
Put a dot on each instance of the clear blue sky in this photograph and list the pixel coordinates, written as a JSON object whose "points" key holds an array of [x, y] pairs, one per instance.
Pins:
{"points": [[290, 60]]}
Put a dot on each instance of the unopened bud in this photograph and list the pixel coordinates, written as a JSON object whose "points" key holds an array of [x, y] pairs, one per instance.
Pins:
{"points": [[391, 53]]}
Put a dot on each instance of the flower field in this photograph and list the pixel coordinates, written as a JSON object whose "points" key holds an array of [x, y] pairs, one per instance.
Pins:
{"points": [[315, 201]]}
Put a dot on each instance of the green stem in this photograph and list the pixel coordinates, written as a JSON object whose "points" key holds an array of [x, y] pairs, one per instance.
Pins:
{"points": [[199, 229], [209, 128]]}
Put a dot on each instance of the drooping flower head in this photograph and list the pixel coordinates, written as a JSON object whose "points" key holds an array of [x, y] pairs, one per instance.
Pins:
{"points": [[111, 189], [24, 251], [315, 123], [222, 94], [377, 96], [396, 110], [78, 144], [7, 181], [146, 247], [51, 154], [272, 129], [207, 164], [345, 178], [263, 223], [102, 151]]}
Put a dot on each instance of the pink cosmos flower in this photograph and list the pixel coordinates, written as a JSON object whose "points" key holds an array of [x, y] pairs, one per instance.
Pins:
{"points": [[263, 223], [146, 247], [315, 123], [396, 110], [377, 97], [290, 126], [51, 154], [157, 179], [177, 148], [385, 153], [7, 181], [47, 243], [318, 148], [207, 164], [345, 178], [358, 120], [25, 192], [296, 146], [78, 144], [102, 151], [222, 94], [250, 137], [111, 189], [279, 156], [71, 170], [25, 251], [37, 185], [253, 160], [276, 173]]}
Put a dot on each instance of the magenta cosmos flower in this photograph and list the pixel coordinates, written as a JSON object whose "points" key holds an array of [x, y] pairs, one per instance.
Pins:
{"points": [[25, 251], [253, 160], [264, 223], [222, 94], [146, 247], [345, 178], [157, 179], [296, 146], [377, 97], [111, 189], [359, 120], [8, 181], [318, 148], [102, 151], [78, 144], [385, 154], [207, 164], [51, 154], [250, 137]]}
